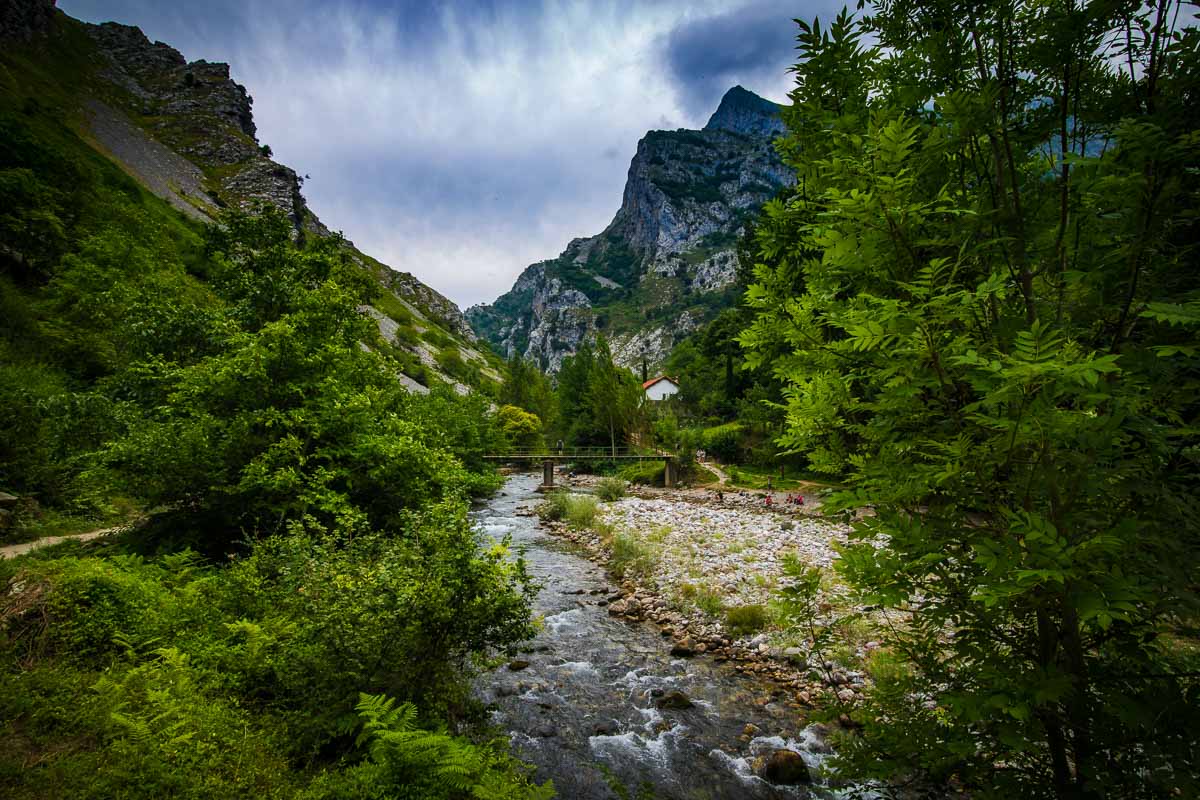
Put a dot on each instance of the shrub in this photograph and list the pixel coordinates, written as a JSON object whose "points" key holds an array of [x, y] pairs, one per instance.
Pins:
{"points": [[611, 489], [553, 508], [746, 619]]}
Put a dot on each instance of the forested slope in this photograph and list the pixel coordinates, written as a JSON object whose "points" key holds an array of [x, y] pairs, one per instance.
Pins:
{"points": [[299, 610]]}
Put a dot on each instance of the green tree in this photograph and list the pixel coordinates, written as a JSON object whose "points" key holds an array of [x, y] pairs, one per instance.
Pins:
{"points": [[615, 396], [986, 288]]}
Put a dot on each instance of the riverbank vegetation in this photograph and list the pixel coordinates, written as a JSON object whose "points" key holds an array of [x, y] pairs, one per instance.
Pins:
{"points": [[986, 287]]}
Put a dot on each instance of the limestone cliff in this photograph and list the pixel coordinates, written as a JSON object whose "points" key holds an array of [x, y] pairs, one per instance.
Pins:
{"points": [[664, 264]]}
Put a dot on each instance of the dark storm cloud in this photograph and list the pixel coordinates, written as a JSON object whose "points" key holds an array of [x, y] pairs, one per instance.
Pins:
{"points": [[752, 45]]}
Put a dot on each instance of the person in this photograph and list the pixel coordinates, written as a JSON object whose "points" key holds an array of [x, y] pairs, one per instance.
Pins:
{"points": [[560, 446], [720, 496], [768, 501]]}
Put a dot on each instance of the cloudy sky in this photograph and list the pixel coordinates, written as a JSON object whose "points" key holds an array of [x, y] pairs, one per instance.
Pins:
{"points": [[462, 141]]}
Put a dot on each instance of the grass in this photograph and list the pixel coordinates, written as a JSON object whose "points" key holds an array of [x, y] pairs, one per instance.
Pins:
{"points": [[701, 596], [582, 511], [645, 473], [632, 558], [742, 620]]}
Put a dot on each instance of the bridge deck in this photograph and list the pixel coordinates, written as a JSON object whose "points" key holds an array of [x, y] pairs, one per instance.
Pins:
{"points": [[578, 456]]}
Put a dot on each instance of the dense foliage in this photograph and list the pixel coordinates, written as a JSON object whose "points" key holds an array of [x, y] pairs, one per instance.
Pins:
{"points": [[987, 293]]}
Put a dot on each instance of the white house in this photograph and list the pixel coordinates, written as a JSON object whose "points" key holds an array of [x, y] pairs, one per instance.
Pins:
{"points": [[660, 388]]}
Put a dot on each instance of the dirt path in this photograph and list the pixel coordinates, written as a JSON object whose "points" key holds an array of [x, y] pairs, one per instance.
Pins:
{"points": [[14, 550], [722, 478]]}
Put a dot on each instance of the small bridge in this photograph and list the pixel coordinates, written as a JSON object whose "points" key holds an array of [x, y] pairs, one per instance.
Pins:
{"points": [[572, 454]]}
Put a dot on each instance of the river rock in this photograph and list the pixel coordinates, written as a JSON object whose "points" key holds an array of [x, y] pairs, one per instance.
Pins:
{"points": [[545, 731], [606, 727], [683, 649], [786, 768], [8, 500], [518, 665], [674, 701]]}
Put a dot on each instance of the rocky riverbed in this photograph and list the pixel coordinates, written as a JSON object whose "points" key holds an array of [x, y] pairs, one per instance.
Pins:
{"points": [[707, 557]]}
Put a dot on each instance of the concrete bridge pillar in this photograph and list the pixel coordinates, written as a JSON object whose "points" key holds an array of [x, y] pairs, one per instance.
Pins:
{"points": [[669, 472], [547, 474]]}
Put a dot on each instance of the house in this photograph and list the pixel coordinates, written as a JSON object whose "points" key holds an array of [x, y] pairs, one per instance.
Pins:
{"points": [[660, 388]]}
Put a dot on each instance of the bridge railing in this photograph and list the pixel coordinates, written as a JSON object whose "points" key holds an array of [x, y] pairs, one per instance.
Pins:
{"points": [[580, 452]]}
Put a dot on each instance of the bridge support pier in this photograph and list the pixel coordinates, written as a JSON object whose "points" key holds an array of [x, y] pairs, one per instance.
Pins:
{"points": [[669, 475], [547, 474]]}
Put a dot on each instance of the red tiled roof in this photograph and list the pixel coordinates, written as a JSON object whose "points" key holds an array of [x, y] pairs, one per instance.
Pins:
{"points": [[653, 381]]}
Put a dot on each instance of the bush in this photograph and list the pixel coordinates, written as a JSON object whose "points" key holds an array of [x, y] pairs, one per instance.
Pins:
{"points": [[610, 489], [742, 620]]}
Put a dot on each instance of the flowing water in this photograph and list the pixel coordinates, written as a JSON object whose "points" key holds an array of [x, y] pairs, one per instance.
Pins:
{"points": [[584, 710]]}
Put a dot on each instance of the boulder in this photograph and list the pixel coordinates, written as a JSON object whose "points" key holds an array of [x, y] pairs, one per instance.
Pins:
{"points": [[787, 768], [674, 701], [517, 665]]}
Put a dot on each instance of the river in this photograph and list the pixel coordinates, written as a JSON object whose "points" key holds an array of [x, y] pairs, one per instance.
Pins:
{"points": [[585, 709]]}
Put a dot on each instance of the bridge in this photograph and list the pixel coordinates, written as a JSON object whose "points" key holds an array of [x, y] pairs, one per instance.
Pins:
{"points": [[549, 458]]}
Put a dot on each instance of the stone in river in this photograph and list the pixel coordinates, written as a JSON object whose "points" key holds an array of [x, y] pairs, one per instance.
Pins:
{"points": [[517, 665], [545, 731], [683, 648], [674, 701], [786, 768]]}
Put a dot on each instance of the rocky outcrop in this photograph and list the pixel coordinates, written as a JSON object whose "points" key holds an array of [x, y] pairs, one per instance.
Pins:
{"points": [[434, 304], [658, 271], [25, 20]]}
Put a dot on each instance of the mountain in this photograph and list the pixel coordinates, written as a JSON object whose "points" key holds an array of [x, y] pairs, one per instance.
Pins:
{"points": [[185, 131], [666, 262]]}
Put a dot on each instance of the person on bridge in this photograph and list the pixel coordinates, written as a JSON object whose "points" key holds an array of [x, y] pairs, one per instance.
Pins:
{"points": [[560, 446]]}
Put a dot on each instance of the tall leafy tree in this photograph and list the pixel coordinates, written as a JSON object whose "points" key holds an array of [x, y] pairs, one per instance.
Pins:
{"points": [[986, 290], [615, 396]]}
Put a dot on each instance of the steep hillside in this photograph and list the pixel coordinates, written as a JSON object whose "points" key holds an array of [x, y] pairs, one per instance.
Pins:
{"points": [[664, 264], [185, 131]]}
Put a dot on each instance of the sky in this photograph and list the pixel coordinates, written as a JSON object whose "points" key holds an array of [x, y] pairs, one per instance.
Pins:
{"points": [[463, 141]]}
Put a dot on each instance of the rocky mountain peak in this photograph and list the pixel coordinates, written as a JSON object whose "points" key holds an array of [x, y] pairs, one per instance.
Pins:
{"points": [[744, 112], [665, 263]]}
